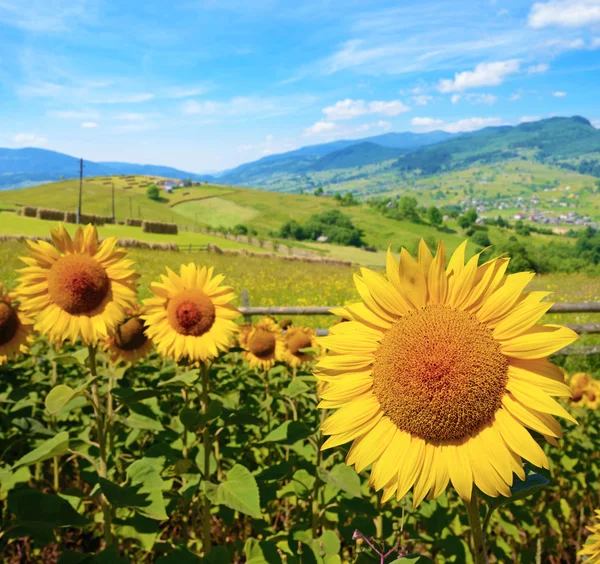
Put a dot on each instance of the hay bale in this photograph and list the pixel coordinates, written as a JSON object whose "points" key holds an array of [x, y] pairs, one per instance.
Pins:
{"points": [[29, 211], [159, 227], [50, 214], [133, 222]]}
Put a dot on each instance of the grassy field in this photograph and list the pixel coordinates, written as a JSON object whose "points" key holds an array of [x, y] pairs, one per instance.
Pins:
{"points": [[275, 282], [12, 224]]}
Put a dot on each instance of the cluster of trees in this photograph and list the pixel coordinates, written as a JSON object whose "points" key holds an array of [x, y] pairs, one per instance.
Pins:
{"points": [[333, 224], [582, 256], [405, 208], [346, 200]]}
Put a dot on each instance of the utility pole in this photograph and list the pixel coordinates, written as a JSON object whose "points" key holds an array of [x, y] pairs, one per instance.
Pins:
{"points": [[113, 200], [80, 189], [130, 207]]}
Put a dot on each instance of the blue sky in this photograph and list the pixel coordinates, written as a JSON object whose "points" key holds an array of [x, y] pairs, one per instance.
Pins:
{"points": [[205, 85]]}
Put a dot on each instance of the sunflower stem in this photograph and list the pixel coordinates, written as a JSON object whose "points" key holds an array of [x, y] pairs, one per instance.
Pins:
{"points": [[478, 548], [102, 435], [207, 450]]}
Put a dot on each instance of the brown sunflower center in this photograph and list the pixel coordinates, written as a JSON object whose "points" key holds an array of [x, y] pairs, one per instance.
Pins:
{"points": [[298, 341], [9, 323], [262, 343], [77, 284], [439, 374], [191, 313], [130, 336]]}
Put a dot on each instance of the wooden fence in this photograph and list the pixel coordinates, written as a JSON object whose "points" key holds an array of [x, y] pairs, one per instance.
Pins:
{"points": [[578, 307]]}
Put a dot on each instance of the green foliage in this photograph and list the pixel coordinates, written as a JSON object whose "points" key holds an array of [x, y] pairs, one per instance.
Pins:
{"points": [[434, 216], [153, 192], [333, 224]]}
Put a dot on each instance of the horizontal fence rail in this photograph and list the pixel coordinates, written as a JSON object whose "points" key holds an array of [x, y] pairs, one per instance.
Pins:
{"points": [[564, 307]]}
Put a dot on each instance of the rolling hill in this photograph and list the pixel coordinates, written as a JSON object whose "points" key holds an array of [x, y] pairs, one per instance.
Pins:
{"points": [[25, 167]]}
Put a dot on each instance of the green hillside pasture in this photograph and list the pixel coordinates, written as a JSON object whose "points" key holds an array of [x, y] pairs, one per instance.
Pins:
{"points": [[12, 224], [267, 211], [96, 199], [216, 212]]}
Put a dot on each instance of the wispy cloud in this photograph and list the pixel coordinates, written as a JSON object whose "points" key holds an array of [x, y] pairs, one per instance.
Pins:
{"points": [[133, 98], [89, 125], [350, 109], [484, 74], [559, 94], [487, 99], [46, 15], [72, 114], [29, 140], [425, 124], [564, 13], [244, 106], [330, 130], [537, 69], [527, 119]]}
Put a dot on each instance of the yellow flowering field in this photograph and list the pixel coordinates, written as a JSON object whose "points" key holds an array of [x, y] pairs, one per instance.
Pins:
{"points": [[141, 420]]}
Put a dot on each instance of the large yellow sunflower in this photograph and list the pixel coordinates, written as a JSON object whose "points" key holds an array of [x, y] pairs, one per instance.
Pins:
{"points": [[190, 316], [128, 341], [296, 339], [591, 549], [440, 373], [263, 343], [76, 288], [15, 328]]}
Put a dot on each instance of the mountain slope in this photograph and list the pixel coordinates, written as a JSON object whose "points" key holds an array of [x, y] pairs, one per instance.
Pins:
{"points": [[306, 159], [556, 138], [361, 154], [22, 167]]}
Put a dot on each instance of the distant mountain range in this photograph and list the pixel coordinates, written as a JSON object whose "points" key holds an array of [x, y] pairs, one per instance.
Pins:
{"points": [[569, 142], [25, 167]]}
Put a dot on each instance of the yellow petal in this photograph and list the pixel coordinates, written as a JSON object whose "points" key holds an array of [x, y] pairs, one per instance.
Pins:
{"points": [[538, 342]]}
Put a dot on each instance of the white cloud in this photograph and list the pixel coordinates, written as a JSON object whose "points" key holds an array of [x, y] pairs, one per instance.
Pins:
{"points": [[45, 15], [422, 99], [247, 106], [89, 125], [350, 109], [485, 74], [425, 124], [70, 114], [595, 44], [29, 140], [487, 99], [596, 123], [527, 119], [537, 69], [269, 146], [320, 128], [564, 13], [559, 94], [515, 96], [334, 130], [186, 91], [503, 12], [134, 98]]}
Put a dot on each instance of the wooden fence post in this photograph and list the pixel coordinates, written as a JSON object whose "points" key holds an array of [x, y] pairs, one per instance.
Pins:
{"points": [[246, 303]]}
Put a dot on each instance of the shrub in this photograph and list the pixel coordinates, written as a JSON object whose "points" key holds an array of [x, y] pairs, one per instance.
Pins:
{"points": [[153, 192], [159, 227]]}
